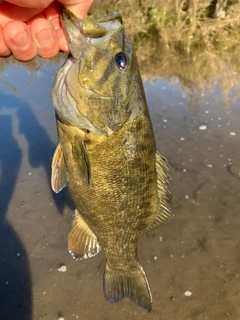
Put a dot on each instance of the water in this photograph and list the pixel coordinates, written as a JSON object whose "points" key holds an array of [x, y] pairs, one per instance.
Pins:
{"points": [[192, 264]]}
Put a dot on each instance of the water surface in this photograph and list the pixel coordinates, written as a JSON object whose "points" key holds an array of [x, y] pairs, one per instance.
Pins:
{"points": [[192, 264]]}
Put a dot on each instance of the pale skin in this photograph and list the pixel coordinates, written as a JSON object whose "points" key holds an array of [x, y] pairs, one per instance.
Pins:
{"points": [[29, 28]]}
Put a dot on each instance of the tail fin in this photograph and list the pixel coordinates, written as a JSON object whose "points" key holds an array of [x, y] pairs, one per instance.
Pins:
{"points": [[135, 286]]}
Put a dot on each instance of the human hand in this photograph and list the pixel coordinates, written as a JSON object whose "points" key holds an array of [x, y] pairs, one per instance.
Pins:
{"points": [[29, 28]]}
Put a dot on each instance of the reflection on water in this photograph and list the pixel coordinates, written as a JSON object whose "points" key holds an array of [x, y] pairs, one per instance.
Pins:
{"points": [[15, 282], [199, 252]]}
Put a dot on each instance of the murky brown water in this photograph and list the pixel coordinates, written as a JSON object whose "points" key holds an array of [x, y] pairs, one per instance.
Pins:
{"points": [[192, 264]]}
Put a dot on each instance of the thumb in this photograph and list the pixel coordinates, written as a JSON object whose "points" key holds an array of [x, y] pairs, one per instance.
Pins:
{"points": [[79, 8]]}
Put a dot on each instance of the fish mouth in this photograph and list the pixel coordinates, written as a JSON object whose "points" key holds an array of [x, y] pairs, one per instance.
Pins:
{"points": [[89, 30], [88, 26], [76, 99], [83, 33]]}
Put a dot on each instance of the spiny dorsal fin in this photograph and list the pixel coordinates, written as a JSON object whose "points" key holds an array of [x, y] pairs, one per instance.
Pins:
{"points": [[134, 286], [82, 242], [164, 213], [59, 174]]}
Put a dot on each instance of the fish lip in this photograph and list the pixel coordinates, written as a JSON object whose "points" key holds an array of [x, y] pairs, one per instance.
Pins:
{"points": [[66, 17], [71, 58], [81, 34], [99, 27], [73, 31]]}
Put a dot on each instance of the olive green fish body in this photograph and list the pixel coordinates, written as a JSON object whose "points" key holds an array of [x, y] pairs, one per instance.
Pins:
{"points": [[123, 193], [107, 157]]}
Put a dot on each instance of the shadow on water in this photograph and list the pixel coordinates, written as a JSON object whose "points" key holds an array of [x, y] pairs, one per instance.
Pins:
{"points": [[40, 147], [15, 280]]}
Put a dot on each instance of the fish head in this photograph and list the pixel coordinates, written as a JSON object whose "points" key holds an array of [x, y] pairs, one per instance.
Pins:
{"points": [[96, 80]]}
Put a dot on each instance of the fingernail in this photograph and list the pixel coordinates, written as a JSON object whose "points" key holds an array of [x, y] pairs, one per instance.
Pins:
{"points": [[64, 46], [45, 37], [20, 39]]}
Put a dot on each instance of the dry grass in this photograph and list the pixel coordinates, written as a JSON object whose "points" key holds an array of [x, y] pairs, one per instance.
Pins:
{"points": [[187, 44]]}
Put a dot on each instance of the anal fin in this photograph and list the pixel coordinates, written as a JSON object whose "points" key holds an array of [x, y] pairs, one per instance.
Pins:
{"points": [[59, 174], [164, 214], [82, 242]]}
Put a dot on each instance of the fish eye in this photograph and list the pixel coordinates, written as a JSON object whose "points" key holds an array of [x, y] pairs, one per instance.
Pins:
{"points": [[121, 61]]}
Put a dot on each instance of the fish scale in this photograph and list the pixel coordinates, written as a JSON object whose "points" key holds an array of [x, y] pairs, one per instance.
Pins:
{"points": [[107, 155]]}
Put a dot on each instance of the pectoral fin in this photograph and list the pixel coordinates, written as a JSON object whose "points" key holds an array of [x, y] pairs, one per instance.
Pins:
{"points": [[81, 159], [82, 242], [59, 174], [164, 213]]}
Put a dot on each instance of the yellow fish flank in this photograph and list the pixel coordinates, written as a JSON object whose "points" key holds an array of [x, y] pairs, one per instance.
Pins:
{"points": [[106, 153]]}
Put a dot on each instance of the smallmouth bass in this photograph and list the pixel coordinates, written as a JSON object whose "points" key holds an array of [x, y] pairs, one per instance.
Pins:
{"points": [[106, 153]]}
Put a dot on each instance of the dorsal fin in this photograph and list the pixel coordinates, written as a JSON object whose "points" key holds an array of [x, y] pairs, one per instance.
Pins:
{"points": [[164, 213]]}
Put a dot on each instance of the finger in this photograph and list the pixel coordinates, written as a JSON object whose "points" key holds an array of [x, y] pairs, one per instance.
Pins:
{"points": [[10, 12], [17, 37], [79, 9], [52, 14], [44, 37], [4, 51], [62, 41], [37, 4]]}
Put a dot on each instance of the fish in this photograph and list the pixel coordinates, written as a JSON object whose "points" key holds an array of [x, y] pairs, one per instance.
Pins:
{"points": [[106, 153]]}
